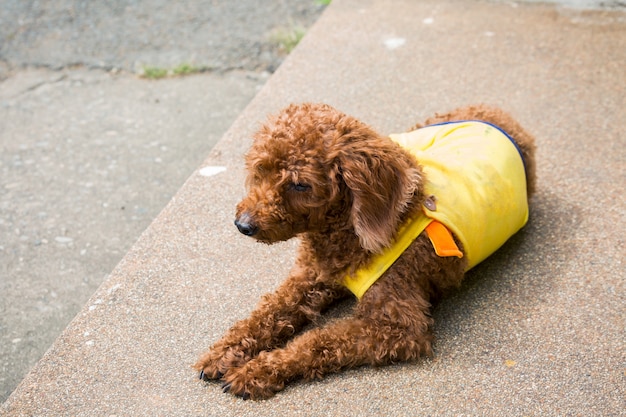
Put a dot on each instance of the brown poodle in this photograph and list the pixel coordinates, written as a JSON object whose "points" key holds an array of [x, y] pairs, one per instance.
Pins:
{"points": [[345, 191]]}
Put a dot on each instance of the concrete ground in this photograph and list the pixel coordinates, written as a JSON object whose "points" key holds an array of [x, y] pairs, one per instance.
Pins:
{"points": [[90, 152], [538, 329]]}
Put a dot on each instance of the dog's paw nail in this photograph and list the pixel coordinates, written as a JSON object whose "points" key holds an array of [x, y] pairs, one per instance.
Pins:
{"points": [[201, 375], [226, 387], [245, 396]]}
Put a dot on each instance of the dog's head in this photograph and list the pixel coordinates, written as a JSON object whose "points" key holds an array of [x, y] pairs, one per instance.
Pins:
{"points": [[312, 169]]}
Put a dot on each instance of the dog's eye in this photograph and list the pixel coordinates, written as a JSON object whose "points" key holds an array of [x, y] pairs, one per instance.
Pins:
{"points": [[300, 187]]}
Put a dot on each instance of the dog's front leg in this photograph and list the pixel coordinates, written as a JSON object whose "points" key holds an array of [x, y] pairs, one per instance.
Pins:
{"points": [[277, 318], [344, 344]]}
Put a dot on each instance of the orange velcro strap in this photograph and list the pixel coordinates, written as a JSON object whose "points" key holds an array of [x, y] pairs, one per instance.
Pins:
{"points": [[442, 240]]}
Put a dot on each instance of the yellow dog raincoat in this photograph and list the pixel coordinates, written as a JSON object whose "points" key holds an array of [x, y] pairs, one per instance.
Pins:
{"points": [[476, 188]]}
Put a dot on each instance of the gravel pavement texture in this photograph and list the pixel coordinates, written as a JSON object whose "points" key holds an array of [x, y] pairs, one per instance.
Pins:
{"points": [[90, 152], [537, 330], [130, 35]]}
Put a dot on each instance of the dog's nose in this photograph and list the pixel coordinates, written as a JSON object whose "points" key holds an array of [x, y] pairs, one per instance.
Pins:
{"points": [[245, 225]]}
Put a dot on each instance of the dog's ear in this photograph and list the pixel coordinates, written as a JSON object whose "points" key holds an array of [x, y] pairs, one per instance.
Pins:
{"points": [[382, 179]]}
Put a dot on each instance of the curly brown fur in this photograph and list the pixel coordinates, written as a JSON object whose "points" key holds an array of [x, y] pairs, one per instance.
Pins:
{"points": [[343, 189]]}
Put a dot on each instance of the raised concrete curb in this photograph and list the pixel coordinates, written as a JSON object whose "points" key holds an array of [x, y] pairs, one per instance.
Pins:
{"points": [[539, 329]]}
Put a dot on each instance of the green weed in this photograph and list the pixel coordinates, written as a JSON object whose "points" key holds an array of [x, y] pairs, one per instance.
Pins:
{"points": [[186, 69], [287, 38], [154, 73]]}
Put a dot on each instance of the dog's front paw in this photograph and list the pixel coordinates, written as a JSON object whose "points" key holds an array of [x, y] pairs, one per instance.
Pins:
{"points": [[254, 381], [214, 363]]}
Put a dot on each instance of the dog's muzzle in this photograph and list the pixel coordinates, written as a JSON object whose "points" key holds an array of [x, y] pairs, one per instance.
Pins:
{"points": [[245, 225]]}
